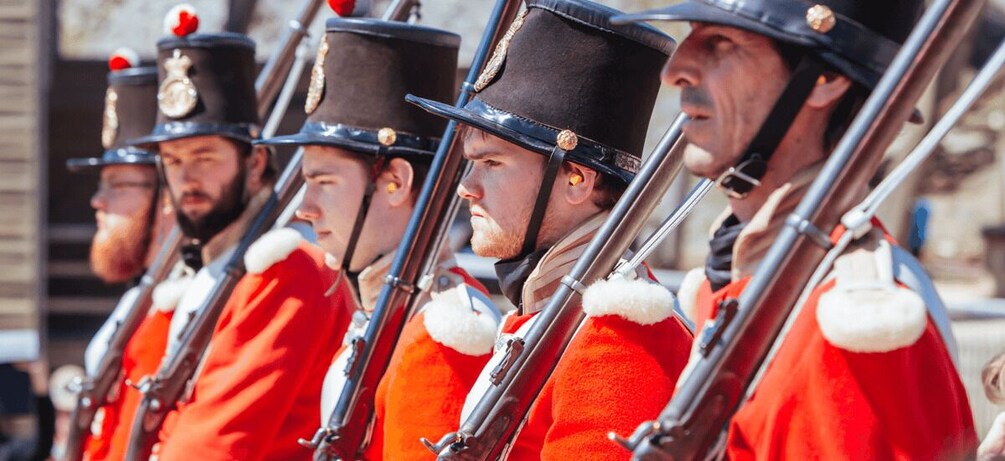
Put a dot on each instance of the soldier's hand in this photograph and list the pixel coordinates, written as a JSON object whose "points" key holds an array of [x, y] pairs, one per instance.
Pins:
{"points": [[992, 448]]}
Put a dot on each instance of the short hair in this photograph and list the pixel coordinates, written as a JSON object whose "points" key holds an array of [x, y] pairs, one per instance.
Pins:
{"points": [[245, 150]]}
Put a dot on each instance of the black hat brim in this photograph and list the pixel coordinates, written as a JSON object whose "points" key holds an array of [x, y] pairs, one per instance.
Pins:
{"points": [[469, 118], [690, 11], [317, 139], [236, 133], [76, 165]]}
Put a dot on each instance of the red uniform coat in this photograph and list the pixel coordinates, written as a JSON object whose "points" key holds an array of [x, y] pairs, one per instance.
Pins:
{"points": [[830, 392], [434, 364], [427, 380], [141, 357], [818, 401], [615, 374], [618, 371], [259, 386]]}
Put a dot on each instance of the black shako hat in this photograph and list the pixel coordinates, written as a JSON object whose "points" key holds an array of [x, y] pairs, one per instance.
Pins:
{"points": [[130, 110], [565, 76], [364, 69], [206, 87], [858, 37]]}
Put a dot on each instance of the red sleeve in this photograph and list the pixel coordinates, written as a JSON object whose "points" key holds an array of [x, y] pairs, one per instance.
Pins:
{"points": [[818, 401], [614, 375], [269, 348], [441, 375]]}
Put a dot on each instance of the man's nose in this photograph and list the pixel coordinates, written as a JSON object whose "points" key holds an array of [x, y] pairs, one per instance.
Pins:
{"points": [[98, 201], [681, 70], [468, 189]]}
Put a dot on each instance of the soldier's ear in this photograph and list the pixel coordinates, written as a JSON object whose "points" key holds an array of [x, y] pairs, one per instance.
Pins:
{"points": [[396, 182], [828, 91], [257, 162], [576, 183]]}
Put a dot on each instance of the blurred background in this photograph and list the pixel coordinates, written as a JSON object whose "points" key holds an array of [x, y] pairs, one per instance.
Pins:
{"points": [[53, 57]]}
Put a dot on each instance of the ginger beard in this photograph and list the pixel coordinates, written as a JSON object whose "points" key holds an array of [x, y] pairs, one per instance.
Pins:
{"points": [[119, 248], [501, 238]]}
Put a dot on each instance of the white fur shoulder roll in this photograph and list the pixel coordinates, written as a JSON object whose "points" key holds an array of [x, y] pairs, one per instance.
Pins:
{"points": [[271, 248], [639, 301], [463, 319], [866, 311]]}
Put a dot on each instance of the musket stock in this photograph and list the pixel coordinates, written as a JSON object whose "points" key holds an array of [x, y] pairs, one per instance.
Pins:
{"points": [[345, 434], [496, 419], [734, 344]]}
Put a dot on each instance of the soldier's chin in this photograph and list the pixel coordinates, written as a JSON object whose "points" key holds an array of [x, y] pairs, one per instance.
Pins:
{"points": [[493, 245], [701, 162]]}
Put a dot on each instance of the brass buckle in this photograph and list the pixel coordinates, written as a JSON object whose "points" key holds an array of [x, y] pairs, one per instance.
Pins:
{"points": [[737, 181]]}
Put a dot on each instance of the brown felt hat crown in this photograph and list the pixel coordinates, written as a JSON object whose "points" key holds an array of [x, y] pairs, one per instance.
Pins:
{"points": [[364, 69], [130, 110], [206, 87], [565, 75]]}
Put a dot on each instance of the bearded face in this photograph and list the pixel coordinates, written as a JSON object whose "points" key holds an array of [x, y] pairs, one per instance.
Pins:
{"points": [[207, 179], [123, 206]]}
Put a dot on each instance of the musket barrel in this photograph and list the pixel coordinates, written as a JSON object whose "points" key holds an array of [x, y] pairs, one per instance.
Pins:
{"points": [[703, 404], [352, 413], [272, 76]]}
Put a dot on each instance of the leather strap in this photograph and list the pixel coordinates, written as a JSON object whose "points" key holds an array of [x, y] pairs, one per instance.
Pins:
{"points": [[742, 178], [541, 204]]}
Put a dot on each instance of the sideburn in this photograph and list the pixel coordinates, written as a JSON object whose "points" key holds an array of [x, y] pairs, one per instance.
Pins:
{"points": [[230, 206]]}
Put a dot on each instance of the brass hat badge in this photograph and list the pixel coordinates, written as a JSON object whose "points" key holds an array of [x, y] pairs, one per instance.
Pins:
{"points": [[110, 120], [177, 95], [316, 88], [499, 55]]}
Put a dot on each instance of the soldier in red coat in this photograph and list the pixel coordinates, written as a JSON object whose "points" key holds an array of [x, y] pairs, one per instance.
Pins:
{"points": [[554, 132], [258, 384], [366, 153], [867, 369], [129, 216]]}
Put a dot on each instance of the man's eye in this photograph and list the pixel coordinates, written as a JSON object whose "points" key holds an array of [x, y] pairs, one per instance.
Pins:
{"points": [[720, 43], [491, 163], [170, 161]]}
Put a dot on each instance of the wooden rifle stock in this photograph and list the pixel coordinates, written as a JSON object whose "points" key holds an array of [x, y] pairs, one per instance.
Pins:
{"points": [[491, 426], [93, 391], [736, 342], [344, 437]]}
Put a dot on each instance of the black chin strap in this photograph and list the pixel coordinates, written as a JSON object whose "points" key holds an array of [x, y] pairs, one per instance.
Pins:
{"points": [[364, 209], [739, 180], [541, 204]]}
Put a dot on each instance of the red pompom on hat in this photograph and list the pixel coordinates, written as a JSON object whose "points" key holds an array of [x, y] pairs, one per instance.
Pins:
{"points": [[181, 20], [123, 58], [342, 7]]}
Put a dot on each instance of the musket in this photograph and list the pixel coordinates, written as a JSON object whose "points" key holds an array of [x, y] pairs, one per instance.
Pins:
{"points": [[272, 76], [528, 362], [734, 344], [344, 436], [93, 391], [162, 391]]}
